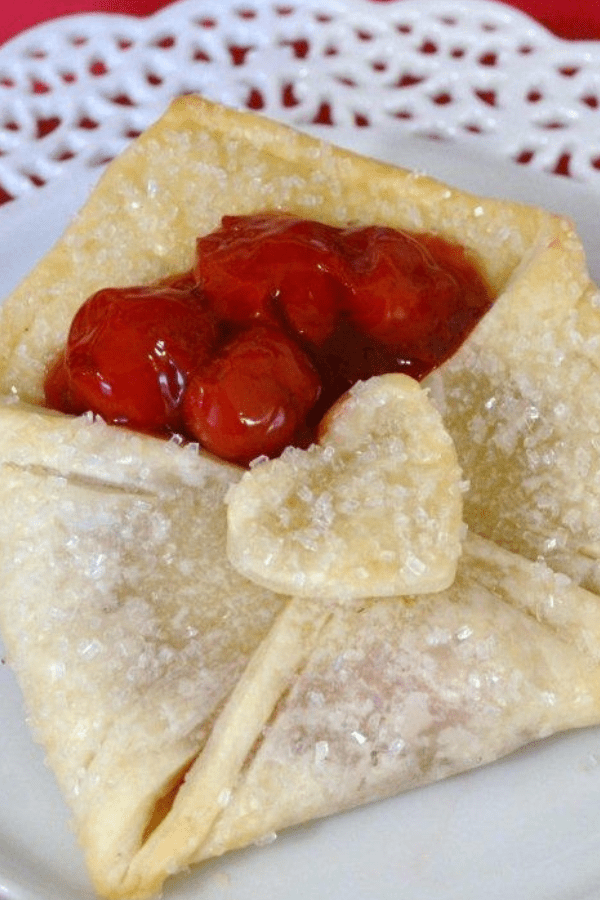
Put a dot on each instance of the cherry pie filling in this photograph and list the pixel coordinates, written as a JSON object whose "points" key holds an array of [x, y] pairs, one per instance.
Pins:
{"points": [[278, 318]]}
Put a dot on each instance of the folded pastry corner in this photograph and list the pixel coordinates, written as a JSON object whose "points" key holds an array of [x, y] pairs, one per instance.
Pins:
{"points": [[373, 509], [519, 399], [187, 710]]}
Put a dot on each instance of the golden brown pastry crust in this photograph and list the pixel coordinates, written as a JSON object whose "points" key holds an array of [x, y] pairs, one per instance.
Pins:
{"points": [[202, 161], [143, 657], [113, 547], [374, 509], [521, 392]]}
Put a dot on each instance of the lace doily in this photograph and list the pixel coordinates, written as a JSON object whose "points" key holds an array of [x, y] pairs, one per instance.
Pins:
{"points": [[80, 87]]}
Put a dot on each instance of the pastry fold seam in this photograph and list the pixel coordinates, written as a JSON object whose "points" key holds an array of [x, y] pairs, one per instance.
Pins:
{"points": [[179, 838]]}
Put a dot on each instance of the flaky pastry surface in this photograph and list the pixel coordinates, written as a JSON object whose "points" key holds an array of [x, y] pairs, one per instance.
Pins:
{"points": [[518, 400], [373, 509], [186, 710]]}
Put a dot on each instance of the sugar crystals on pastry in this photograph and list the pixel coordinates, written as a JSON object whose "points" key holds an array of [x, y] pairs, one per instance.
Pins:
{"points": [[174, 695], [374, 508]]}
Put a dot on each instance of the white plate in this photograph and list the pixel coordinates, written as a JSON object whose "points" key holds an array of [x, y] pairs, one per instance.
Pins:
{"points": [[525, 827]]}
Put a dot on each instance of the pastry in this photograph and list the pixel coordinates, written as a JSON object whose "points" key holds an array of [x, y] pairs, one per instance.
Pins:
{"points": [[186, 708], [339, 521]]}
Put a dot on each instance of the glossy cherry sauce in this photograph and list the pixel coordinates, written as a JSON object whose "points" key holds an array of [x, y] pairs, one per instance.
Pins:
{"points": [[276, 320]]}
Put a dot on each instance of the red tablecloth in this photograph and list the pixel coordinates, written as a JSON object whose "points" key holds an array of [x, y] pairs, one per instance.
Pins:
{"points": [[566, 18]]}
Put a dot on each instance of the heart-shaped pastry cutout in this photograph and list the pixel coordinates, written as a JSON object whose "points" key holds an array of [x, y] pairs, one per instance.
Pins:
{"points": [[374, 509]]}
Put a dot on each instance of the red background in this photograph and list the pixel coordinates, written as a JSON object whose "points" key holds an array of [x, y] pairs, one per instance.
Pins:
{"points": [[572, 19]]}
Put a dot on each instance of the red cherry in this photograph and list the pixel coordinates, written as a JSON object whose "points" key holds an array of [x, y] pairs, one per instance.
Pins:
{"points": [[470, 304], [274, 269], [416, 294], [130, 352], [253, 399], [310, 305], [399, 294], [307, 310]]}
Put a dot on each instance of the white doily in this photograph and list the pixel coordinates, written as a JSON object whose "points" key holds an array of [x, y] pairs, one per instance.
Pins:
{"points": [[80, 87]]}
